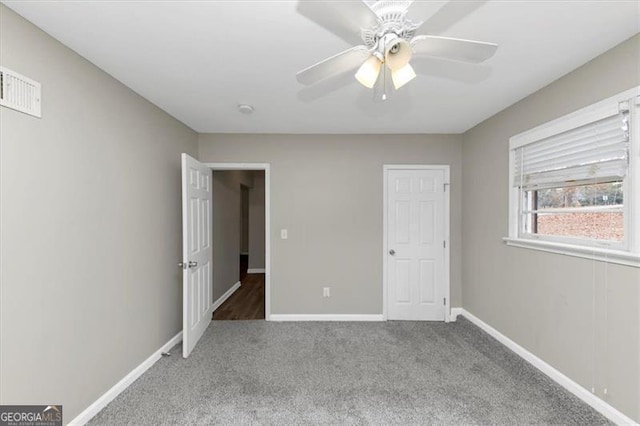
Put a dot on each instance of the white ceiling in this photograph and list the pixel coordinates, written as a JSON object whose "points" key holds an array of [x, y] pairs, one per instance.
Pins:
{"points": [[198, 60]]}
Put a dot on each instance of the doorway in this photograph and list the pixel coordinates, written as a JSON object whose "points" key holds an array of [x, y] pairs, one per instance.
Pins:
{"points": [[246, 253], [416, 243], [238, 244], [198, 296]]}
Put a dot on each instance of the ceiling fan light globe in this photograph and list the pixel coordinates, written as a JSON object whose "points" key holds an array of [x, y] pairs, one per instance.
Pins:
{"points": [[397, 53], [367, 74], [402, 76]]}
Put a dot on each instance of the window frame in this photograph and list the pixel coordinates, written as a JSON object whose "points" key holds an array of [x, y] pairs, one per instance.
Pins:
{"points": [[627, 251]]}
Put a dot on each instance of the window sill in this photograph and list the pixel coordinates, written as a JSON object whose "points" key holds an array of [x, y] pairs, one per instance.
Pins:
{"points": [[593, 253]]}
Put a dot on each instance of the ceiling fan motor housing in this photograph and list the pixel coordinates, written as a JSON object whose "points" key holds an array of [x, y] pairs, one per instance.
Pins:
{"points": [[393, 20], [389, 40]]}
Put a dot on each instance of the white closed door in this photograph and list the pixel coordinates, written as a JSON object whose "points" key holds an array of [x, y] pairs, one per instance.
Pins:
{"points": [[415, 252], [197, 304]]}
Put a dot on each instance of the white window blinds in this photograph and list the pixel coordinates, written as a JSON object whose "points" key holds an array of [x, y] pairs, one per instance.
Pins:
{"points": [[597, 151]]}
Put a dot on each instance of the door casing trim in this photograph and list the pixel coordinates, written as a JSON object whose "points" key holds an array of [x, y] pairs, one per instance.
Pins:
{"points": [[447, 199]]}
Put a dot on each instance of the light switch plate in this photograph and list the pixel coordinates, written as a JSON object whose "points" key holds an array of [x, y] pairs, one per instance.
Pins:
{"points": [[283, 234]]}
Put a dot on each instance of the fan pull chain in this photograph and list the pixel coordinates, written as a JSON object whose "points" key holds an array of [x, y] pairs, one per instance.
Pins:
{"points": [[384, 82]]}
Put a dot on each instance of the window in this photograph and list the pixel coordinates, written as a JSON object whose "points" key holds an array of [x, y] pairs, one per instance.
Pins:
{"points": [[593, 211], [575, 183]]}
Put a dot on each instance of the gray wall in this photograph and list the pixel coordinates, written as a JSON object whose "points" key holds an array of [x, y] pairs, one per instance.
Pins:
{"points": [[580, 316], [226, 227], [256, 222], [87, 291], [327, 191]]}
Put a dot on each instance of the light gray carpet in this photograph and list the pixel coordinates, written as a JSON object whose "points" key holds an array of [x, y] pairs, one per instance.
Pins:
{"points": [[257, 372]]}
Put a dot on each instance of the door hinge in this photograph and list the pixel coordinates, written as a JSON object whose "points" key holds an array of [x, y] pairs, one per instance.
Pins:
{"points": [[444, 244], [444, 301], [446, 185]]}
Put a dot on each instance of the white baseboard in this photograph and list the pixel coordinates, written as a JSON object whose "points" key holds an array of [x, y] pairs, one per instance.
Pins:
{"points": [[225, 296], [119, 387], [598, 404], [455, 312], [256, 271], [326, 317]]}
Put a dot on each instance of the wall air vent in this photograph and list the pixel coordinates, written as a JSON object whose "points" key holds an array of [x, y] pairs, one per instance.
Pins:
{"points": [[20, 93]]}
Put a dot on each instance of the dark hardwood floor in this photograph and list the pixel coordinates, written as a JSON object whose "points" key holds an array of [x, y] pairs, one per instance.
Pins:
{"points": [[247, 303]]}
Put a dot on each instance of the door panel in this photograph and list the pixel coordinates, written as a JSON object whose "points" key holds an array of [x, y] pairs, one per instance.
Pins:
{"points": [[427, 281], [401, 236], [415, 244], [196, 252], [403, 291], [427, 222]]}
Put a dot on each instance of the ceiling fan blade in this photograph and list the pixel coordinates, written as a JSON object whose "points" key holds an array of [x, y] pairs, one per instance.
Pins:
{"points": [[453, 48], [337, 64], [447, 15], [326, 87], [423, 10], [344, 18], [462, 72]]}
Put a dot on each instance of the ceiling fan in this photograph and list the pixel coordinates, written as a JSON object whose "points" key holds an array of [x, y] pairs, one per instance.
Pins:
{"points": [[388, 30]]}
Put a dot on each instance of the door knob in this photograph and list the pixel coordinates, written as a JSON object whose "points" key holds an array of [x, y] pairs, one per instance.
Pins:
{"points": [[192, 264], [392, 252], [182, 265]]}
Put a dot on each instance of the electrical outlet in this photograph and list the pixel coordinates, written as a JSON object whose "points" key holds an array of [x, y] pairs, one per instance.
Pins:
{"points": [[326, 292]]}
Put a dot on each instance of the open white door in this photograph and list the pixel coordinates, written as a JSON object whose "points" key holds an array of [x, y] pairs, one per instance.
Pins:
{"points": [[197, 305]]}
